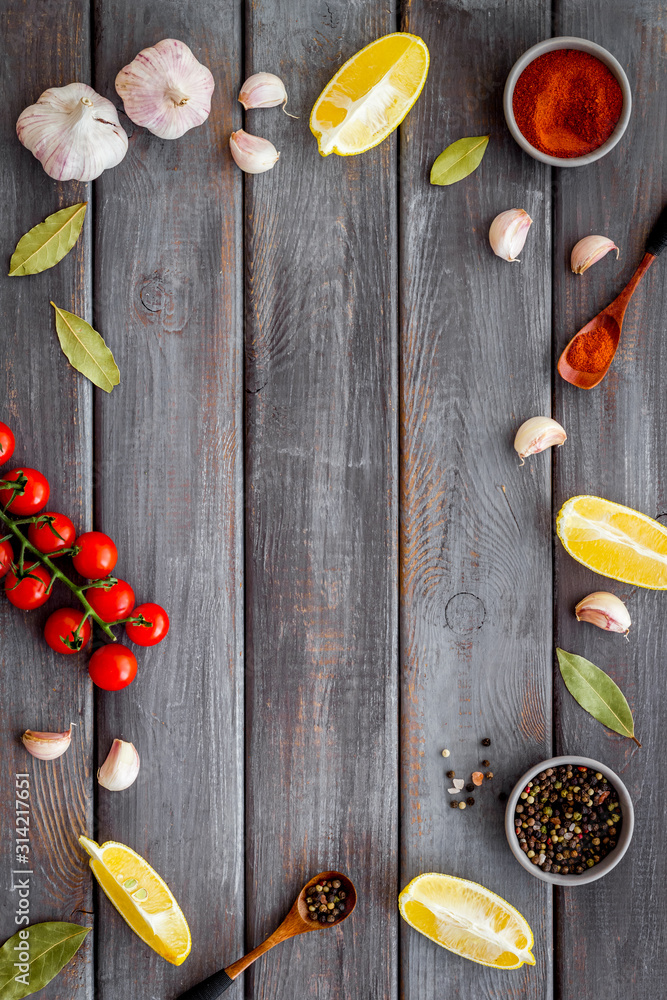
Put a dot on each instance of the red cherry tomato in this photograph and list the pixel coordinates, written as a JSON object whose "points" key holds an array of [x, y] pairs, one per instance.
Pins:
{"points": [[6, 556], [52, 536], [97, 557], [112, 667], [7, 443], [155, 629], [111, 603], [28, 592], [33, 496], [60, 627]]}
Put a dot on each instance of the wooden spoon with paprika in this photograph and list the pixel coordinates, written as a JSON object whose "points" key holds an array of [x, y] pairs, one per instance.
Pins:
{"points": [[586, 359]]}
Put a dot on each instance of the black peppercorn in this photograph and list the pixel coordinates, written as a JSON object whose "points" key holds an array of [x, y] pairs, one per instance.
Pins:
{"points": [[451, 774], [486, 763], [454, 804], [486, 742], [470, 801], [470, 787]]}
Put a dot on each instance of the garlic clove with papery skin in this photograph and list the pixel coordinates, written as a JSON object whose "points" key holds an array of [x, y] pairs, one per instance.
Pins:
{"points": [[121, 767], [263, 90], [508, 232], [605, 610], [251, 153], [46, 746], [589, 251], [166, 89], [74, 133], [537, 434]]}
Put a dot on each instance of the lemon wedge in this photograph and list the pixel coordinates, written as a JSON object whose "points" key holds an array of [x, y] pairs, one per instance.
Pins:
{"points": [[614, 541], [370, 95], [141, 897], [468, 919]]}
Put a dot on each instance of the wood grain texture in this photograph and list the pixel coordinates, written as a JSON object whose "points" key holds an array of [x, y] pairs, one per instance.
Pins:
{"points": [[48, 405], [616, 450], [475, 557], [168, 462], [321, 518]]}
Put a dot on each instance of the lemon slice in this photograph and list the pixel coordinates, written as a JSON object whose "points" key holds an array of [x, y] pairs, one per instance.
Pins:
{"points": [[614, 541], [370, 95], [141, 897], [467, 919]]}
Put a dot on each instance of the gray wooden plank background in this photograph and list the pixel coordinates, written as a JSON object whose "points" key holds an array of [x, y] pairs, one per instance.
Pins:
{"points": [[308, 461]]}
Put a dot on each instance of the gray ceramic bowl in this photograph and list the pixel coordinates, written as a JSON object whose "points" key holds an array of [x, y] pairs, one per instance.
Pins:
{"points": [[607, 863], [567, 42]]}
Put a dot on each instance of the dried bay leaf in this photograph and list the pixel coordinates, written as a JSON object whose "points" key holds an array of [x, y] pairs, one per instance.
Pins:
{"points": [[49, 242], [597, 693], [50, 946], [459, 160], [85, 350]]}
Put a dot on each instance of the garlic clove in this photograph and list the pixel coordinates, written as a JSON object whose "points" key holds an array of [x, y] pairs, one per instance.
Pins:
{"points": [[74, 133], [251, 153], [589, 251], [263, 90], [121, 767], [605, 610], [536, 435], [46, 746], [508, 232], [166, 89]]}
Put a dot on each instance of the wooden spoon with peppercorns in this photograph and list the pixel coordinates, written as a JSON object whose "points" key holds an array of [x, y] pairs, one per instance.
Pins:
{"points": [[586, 359], [299, 920]]}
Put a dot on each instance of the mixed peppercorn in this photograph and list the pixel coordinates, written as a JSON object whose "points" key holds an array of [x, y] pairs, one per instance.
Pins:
{"points": [[568, 819], [326, 901]]}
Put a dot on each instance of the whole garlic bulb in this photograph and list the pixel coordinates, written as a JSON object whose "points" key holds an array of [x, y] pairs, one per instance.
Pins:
{"points": [[166, 89], [74, 133]]}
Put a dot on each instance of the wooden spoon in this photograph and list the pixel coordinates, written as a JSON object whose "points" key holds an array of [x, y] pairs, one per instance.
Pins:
{"points": [[611, 318], [296, 922]]}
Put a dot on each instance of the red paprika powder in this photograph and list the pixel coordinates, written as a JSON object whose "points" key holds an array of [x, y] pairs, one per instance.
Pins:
{"points": [[567, 103], [592, 351]]}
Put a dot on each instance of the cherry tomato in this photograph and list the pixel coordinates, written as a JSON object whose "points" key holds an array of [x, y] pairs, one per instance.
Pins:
{"points": [[6, 556], [153, 632], [112, 667], [28, 592], [111, 603], [59, 630], [97, 557], [34, 496], [7, 443], [52, 536]]}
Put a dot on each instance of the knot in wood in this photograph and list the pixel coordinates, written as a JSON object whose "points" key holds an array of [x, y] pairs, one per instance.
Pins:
{"points": [[465, 613]]}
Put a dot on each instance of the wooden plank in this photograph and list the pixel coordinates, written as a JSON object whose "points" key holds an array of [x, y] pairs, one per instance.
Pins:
{"points": [[475, 548], [48, 406], [168, 298], [611, 931], [321, 683]]}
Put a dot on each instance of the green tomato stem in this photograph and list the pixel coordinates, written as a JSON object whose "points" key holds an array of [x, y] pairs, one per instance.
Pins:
{"points": [[53, 569]]}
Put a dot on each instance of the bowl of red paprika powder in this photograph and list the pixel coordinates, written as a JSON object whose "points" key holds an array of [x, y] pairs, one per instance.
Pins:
{"points": [[567, 101]]}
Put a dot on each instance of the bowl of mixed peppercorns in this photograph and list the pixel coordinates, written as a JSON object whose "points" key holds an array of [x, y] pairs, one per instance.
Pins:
{"points": [[569, 820]]}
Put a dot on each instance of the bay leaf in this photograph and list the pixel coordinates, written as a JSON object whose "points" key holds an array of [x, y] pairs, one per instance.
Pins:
{"points": [[597, 693], [49, 242], [459, 160], [50, 946], [85, 349]]}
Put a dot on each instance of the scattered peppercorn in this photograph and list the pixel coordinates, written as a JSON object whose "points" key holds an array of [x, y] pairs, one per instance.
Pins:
{"points": [[486, 763], [486, 742], [470, 801], [554, 822], [454, 804], [488, 775], [445, 753], [326, 901], [470, 787], [462, 805], [451, 774]]}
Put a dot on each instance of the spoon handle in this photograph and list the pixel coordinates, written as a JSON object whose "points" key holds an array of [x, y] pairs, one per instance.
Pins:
{"points": [[657, 240], [209, 989]]}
